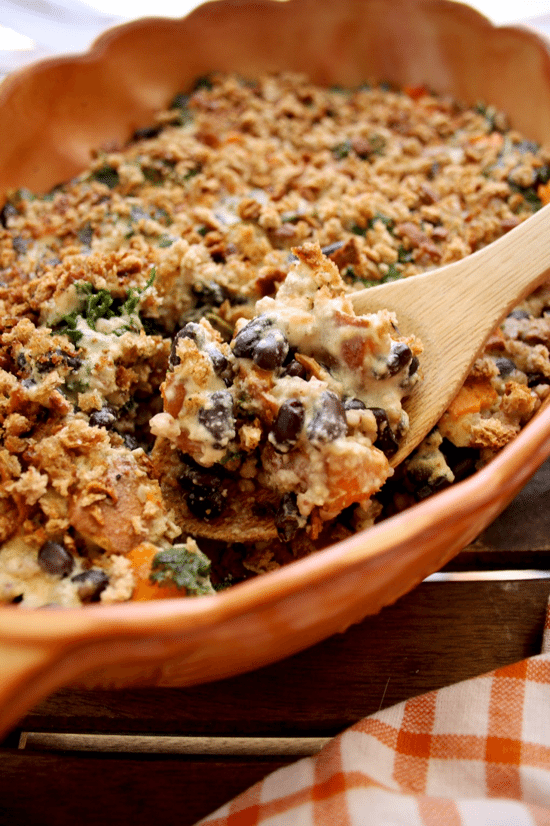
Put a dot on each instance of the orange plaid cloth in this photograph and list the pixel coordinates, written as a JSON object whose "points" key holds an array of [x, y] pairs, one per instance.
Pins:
{"points": [[473, 754]]}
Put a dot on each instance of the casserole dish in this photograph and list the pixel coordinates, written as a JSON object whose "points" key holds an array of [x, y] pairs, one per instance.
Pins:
{"points": [[56, 114]]}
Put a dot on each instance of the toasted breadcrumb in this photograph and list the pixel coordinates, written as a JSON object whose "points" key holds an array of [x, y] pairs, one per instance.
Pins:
{"points": [[178, 346]]}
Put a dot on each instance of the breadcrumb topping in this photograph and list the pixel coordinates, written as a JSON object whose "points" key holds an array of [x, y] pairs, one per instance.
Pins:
{"points": [[179, 355]]}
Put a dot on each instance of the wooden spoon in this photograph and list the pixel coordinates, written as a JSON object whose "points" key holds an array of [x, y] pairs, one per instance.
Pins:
{"points": [[454, 309]]}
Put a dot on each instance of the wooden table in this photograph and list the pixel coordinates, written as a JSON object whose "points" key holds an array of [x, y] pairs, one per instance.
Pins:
{"points": [[174, 755]]}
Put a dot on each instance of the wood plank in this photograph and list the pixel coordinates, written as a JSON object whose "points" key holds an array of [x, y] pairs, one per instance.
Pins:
{"points": [[439, 634], [292, 747], [88, 789]]}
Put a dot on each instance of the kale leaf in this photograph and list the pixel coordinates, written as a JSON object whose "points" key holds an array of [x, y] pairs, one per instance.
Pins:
{"points": [[186, 569], [96, 304]]}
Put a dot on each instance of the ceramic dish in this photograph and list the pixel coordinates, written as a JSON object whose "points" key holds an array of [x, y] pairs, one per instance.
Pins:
{"points": [[53, 114]]}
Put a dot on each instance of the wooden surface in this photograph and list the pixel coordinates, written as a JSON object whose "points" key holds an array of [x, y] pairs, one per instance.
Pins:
{"points": [[173, 755], [134, 756]]}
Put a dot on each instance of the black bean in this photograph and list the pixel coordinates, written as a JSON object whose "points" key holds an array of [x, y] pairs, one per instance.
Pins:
{"points": [[21, 361], [287, 519], [295, 369], [219, 361], [413, 366], [195, 475], [334, 247], [271, 350], [7, 212], [85, 235], [428, 489], [16, 600], [527, 146], [106, 417], [537, 378], [206, 503], [288, 425], [385, 439], [354, 404], [519, 314], [504, 366], [218, 418], [137, 213], [90, 584], [400, 356], [28, 383], [210, 294], [146, 132], [329, 421], [130, 442], [191, 330], [51, 360], [74, 362], [53, 558], [246, 339], [461, 460], [20, 244]]}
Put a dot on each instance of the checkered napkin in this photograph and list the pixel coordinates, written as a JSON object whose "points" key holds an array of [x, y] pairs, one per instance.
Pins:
{"points": [[474, 754]]}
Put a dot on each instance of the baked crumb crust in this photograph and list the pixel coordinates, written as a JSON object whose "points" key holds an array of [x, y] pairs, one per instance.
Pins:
{"points": [[212, 217]]}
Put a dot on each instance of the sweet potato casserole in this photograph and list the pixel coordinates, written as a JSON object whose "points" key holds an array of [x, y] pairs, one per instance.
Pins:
{"points": [[187, 395]]}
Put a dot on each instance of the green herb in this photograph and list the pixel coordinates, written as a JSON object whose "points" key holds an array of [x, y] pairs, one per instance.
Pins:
{"points": [[388, 222], [224, 328], [77, 385], [529, 194], [181, 105], [202, 231], [152, 175], [22, 195], [341, 150], [392, 274], [232, 457], [134, 295], [357, 230], [404, 256], [180, 101], [189, 570], [106, 175], [163, 216], [192, 172], [165, 241], [67, 326], [203, 82], [96, 304], [490, 114], [377, 145]]}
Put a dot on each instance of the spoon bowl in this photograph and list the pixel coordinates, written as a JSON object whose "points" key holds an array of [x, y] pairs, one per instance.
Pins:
{"points": [[454, 309]]}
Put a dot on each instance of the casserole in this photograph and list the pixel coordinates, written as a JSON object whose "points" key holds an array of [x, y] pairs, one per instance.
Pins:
{"points": [[99, 100]]}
